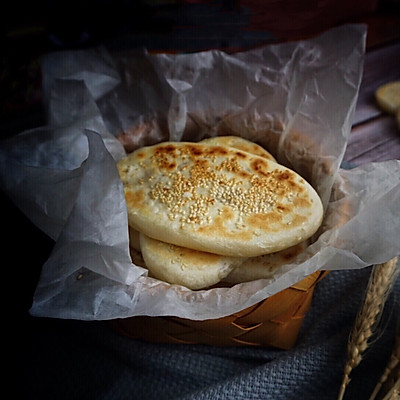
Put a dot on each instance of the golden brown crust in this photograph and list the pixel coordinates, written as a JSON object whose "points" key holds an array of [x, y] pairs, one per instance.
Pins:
{"points": [[241, 144], [217, 199]]}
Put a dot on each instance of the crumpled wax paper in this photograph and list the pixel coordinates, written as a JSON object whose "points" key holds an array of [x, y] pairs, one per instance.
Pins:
{"points": [[297, 99]]}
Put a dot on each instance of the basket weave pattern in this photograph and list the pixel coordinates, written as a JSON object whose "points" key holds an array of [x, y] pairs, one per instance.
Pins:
{"points": [[275, 322]]}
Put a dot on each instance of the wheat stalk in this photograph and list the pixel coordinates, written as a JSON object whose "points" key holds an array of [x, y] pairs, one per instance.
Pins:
{"points": [[394, 392], [392, 364], [379, 286]]}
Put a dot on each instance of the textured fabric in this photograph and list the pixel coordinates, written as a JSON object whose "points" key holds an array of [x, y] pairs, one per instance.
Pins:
{"points": [[88, 360]]}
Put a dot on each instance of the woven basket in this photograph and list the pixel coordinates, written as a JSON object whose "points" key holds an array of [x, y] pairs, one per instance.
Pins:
{"points": [[275, 322]]}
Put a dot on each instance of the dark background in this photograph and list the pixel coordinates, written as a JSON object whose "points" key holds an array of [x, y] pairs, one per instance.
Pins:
{"points": [[30, 29]]}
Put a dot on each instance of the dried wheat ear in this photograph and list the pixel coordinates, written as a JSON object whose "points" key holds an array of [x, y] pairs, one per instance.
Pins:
{"points": [[380, 284]]}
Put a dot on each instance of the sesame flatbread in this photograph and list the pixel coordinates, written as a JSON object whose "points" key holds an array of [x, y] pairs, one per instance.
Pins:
{"points": [[191, 268], [264, 267], [179, 265], [217, 199], [388, 97], [241, 144]]}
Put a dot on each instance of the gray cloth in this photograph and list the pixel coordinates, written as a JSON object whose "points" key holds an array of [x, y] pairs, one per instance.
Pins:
{"points": [[87, 360]]}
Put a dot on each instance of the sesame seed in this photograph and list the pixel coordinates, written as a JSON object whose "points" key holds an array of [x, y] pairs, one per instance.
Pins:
{"points": [[189, 192]]}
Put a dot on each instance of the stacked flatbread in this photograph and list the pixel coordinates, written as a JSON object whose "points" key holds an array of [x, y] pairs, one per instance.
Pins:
{"points": [[388, 99], [221, 210]]}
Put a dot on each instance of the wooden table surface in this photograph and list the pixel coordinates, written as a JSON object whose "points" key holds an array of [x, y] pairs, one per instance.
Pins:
{"points": [[375, 134]]}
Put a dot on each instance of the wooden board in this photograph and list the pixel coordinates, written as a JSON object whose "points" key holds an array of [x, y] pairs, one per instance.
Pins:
{"points": [[375, 134]]}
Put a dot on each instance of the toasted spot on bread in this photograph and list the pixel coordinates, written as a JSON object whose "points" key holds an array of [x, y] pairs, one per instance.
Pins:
{"points": [[213, 198]]}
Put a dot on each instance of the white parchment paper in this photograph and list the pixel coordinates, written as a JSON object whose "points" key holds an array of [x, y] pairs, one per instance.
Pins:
{"points": [[297, 99]]}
